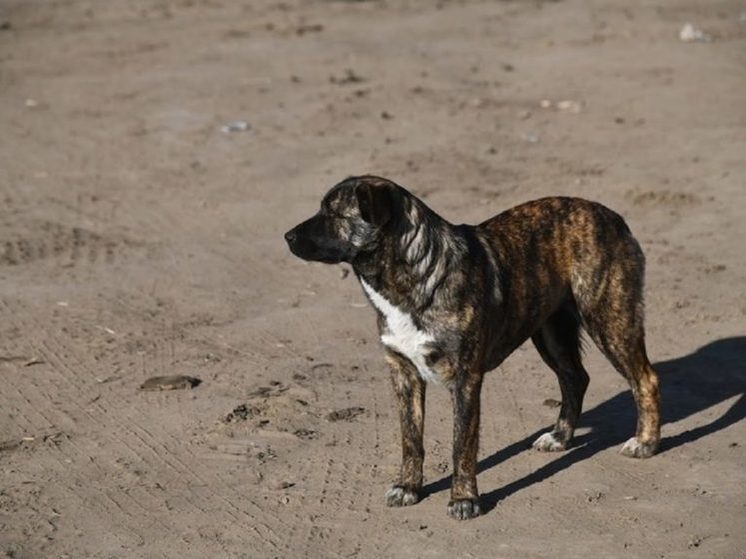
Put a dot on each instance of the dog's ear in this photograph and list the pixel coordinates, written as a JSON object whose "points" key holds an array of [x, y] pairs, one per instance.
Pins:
{"points": [[375, 200]]}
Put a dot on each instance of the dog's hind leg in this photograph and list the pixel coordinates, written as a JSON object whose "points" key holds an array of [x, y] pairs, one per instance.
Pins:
{"points": [[558, 343], [613, 316], [410, 396], [626, 351]]}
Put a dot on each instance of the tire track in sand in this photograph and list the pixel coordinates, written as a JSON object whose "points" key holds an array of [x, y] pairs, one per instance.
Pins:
{"points": [[144, 447]]}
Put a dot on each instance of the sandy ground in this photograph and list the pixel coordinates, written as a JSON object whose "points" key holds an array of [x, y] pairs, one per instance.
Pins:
{"points": [[138, 239]]}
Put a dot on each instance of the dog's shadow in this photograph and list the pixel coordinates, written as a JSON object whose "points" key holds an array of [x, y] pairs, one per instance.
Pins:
{"points": [[690, 384]]}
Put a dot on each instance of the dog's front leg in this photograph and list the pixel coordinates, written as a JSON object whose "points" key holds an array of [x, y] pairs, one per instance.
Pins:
{"points": [[410, 395], [465, 393]]}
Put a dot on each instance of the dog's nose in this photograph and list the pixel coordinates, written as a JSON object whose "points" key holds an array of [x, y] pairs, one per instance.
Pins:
{"points": [[290, 236]]}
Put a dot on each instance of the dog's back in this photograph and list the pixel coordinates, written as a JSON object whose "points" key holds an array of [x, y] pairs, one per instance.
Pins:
{"points": [[560, 247]]}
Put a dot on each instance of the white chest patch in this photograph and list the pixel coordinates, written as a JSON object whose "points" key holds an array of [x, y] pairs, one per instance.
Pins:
{"points": [[402, 335]]}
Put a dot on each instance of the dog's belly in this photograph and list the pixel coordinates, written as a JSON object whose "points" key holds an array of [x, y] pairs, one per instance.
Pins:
{"points": [[402, 335]]}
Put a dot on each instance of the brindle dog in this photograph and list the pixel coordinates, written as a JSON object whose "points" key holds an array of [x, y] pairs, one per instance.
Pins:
{"points": [[454, 301]]}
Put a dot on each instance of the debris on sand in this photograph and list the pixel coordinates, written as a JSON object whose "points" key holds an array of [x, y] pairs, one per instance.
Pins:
{"points": [[170, 382], [24, 360], [306, 434], [241, 412], [10, 445], [235, 126], [346, 414], [308, 28], [565, 105], [552, 403], [275, 388], [350, 76], [569, 106], [691, 34]]}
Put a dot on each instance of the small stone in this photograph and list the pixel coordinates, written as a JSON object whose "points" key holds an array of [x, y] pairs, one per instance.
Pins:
{"points": [[346, 414], [309, 28], [235, 126], [171, 382], [569, 106], [241, 413], [306, 434], [691, 34], [350, 76]]}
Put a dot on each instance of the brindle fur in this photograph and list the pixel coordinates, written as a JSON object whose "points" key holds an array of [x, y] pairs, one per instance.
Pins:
{"points": [[543, 270]]}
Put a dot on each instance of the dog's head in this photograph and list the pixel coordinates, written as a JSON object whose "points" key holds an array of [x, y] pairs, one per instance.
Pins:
{"points": [[351, 221]]}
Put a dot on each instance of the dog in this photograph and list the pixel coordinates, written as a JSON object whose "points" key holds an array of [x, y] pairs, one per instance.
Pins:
{"points": [[453, 301]]}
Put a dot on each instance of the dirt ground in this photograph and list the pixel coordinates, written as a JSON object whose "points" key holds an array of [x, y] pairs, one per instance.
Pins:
{"points": [[138, 238]]}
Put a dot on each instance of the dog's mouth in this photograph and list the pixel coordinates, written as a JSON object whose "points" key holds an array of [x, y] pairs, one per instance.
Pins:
{"points": [[330, 252]]}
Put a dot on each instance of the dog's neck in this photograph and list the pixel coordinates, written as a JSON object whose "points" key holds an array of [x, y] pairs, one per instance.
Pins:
{"points": [[415, 259]]}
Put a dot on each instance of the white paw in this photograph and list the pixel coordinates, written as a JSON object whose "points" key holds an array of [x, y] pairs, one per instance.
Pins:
{"points": [[635, 449], [398, 496], [464, 509], [548, 443]]}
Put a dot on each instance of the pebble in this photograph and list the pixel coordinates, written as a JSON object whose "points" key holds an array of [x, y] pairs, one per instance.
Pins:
{"points": [[569, 106], [566, 105], [171, 382], [691, 34], [235, 126]]}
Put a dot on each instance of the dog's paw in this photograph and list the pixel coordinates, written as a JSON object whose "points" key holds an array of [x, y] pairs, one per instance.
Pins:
{"points": [[548, 442], [636, 449], [464, 509], [398, 496]]}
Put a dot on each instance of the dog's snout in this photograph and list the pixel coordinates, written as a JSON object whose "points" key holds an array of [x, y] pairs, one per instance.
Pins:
{"points": [[290, 236]]}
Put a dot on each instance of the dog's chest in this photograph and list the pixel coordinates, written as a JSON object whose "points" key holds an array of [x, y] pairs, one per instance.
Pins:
{"points": [[402, 335]]}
